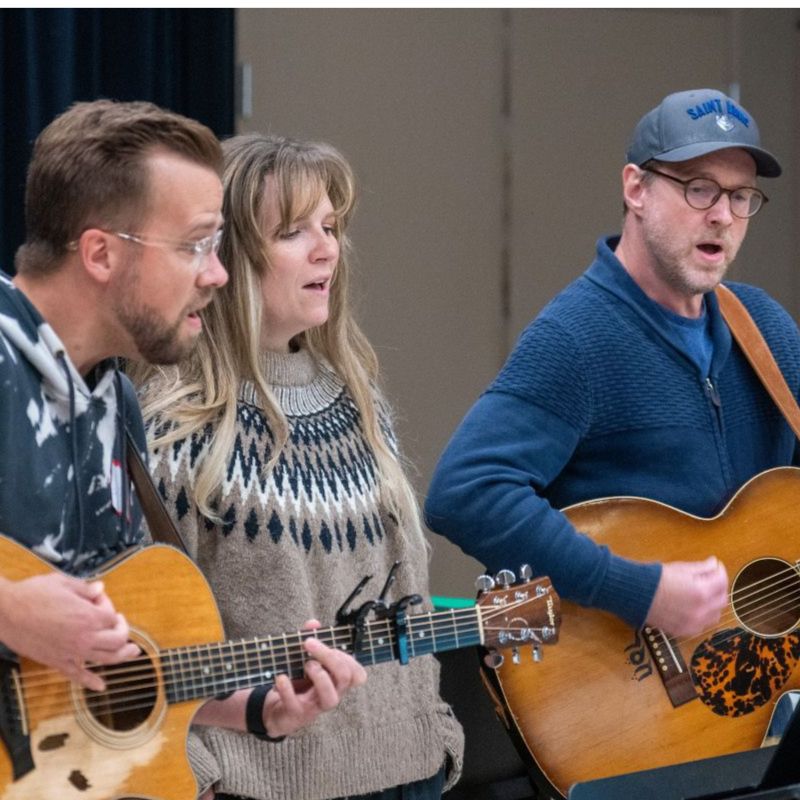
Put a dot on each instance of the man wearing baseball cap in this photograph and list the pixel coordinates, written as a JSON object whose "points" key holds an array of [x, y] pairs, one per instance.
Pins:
{"points": [[628, 383]]}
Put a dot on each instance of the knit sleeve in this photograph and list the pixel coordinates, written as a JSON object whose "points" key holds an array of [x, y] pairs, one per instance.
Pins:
{"points": [[486, 493], [547, 369], [205, 767]]}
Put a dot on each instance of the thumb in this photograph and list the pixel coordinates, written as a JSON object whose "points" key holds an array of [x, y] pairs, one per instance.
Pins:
{"points": [[711, 564], [90, 590]]}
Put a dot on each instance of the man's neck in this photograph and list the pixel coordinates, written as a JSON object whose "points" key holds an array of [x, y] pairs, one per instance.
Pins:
{"points": [[637, 262]]}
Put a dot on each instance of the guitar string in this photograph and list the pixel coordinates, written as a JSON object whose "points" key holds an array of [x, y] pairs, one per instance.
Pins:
{"points": [[110, 702], [771, 612], [256, 642], [790, 571], [285, 663], [739, 598], [217, 655], [130, 702], [755, 624], [374, 628]]}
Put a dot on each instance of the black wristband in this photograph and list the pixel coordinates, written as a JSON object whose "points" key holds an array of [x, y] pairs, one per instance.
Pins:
{"points": [[254, 715]]}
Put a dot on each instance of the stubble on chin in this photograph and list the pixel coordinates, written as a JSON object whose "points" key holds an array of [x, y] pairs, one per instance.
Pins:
{"points": [[677, 265]]}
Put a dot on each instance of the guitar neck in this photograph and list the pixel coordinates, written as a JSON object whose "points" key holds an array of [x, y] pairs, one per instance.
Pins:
{"points": [[206, 670]]}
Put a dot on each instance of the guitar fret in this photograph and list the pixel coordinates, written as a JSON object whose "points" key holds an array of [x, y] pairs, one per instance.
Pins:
{"points": [[247, 678], [217, 669], [274, 665], [189, 677], [205, 670], [295, 654], [168, 671], [285, 665], [181, 684], [370, 645], [268, 649], [234, 660], [421, 638], [258, 648]]}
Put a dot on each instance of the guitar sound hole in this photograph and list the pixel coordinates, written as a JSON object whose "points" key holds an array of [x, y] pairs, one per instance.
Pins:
{"points": [[766, 597], [130, 695]]}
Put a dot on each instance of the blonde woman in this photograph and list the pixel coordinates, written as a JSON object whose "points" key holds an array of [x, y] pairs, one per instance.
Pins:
{"points": [[275, 453]]}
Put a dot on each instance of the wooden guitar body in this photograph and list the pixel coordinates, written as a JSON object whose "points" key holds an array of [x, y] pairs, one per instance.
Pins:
{"points": [[61, 742], [610, 700], [79, 755]]}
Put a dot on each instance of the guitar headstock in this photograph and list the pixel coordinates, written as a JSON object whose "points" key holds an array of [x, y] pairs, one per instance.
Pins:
{"points": [[517, 612]]}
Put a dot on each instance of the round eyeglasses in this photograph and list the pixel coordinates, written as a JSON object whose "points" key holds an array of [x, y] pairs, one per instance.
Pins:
{"points": [[702, 193]]}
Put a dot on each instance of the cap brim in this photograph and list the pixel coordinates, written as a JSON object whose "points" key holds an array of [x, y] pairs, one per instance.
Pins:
{"points": [[766, 164]]}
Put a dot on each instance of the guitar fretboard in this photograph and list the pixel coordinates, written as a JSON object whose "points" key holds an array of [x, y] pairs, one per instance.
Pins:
{"points": [[208, 670]]}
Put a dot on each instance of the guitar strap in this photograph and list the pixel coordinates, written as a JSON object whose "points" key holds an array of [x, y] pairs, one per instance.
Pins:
{"points": [[757, 351], [162, 528]]}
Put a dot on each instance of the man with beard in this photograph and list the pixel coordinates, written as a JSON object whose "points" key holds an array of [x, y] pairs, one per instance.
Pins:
{"points": [[628, 383], [123, 213]]}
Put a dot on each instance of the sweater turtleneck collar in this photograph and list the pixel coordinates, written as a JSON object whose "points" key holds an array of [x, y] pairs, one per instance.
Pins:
{"points": [[290, 369], [300, 384]]}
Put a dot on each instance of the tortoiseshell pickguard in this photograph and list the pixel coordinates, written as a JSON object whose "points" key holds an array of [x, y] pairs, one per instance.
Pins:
{"points": [[736, 672]]}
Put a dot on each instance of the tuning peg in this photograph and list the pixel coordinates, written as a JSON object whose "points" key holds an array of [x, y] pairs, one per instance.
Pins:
{"points": [[515, 657], [536, 651], [493, 659], [484, 583], [525, 572], [505, 578]]}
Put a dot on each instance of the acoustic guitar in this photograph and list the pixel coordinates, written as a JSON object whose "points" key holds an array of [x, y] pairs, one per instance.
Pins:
{"points": [[614, 700], [63, 742]]}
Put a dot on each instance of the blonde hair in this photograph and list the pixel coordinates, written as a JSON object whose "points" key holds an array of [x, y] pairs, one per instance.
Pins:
{"points": [[203, 391]]}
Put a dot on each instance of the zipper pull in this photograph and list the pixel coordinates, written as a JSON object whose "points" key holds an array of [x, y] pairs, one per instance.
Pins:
{"points": [[712, 392]]}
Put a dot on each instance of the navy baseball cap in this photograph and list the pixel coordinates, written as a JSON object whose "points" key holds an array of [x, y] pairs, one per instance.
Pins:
{"points": [[690, 124]]}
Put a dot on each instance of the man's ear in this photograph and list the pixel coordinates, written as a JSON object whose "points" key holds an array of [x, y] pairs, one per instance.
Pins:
{"points": [[97, 254], [633, 188]]}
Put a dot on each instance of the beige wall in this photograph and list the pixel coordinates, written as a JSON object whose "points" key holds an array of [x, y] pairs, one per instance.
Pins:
{"points": [[488, 145]]}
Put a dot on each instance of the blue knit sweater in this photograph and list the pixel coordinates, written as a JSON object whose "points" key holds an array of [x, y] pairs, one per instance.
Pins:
{"points": [[601, 398]]}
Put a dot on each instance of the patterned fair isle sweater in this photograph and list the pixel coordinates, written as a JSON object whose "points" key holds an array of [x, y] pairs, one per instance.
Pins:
{"points": [[296, 540]]}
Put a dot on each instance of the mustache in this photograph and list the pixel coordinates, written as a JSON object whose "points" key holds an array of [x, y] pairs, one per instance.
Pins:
{"points": [[203, 300]]}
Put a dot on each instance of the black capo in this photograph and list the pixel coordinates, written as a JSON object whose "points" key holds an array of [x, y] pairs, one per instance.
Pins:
{"points": [[396, 611]]}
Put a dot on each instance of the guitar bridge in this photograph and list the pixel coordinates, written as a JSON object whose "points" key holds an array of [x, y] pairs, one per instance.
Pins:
{"points": [[13, 720], [671, 667]]}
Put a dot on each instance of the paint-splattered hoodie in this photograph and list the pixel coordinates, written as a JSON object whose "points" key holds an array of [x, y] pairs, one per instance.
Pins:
{"points": [[63, 480]]}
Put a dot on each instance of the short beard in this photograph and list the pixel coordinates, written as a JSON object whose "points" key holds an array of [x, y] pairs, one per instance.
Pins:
{"points": [[668, 264], [156, 341]]}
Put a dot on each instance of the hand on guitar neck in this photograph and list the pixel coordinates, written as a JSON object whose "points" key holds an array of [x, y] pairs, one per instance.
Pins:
{"points": [[62, 622], [291, 705], [690, 597]]}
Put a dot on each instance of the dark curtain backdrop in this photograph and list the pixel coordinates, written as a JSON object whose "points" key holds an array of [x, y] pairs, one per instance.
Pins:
{"points": [[179, 59]]}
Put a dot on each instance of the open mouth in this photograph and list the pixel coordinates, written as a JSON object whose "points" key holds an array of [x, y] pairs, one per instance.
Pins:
{"points": [[317, 286], [710, 249]]}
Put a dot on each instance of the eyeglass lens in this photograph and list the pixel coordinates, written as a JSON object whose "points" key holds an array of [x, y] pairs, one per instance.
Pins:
{"points": [[702, 193]]}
